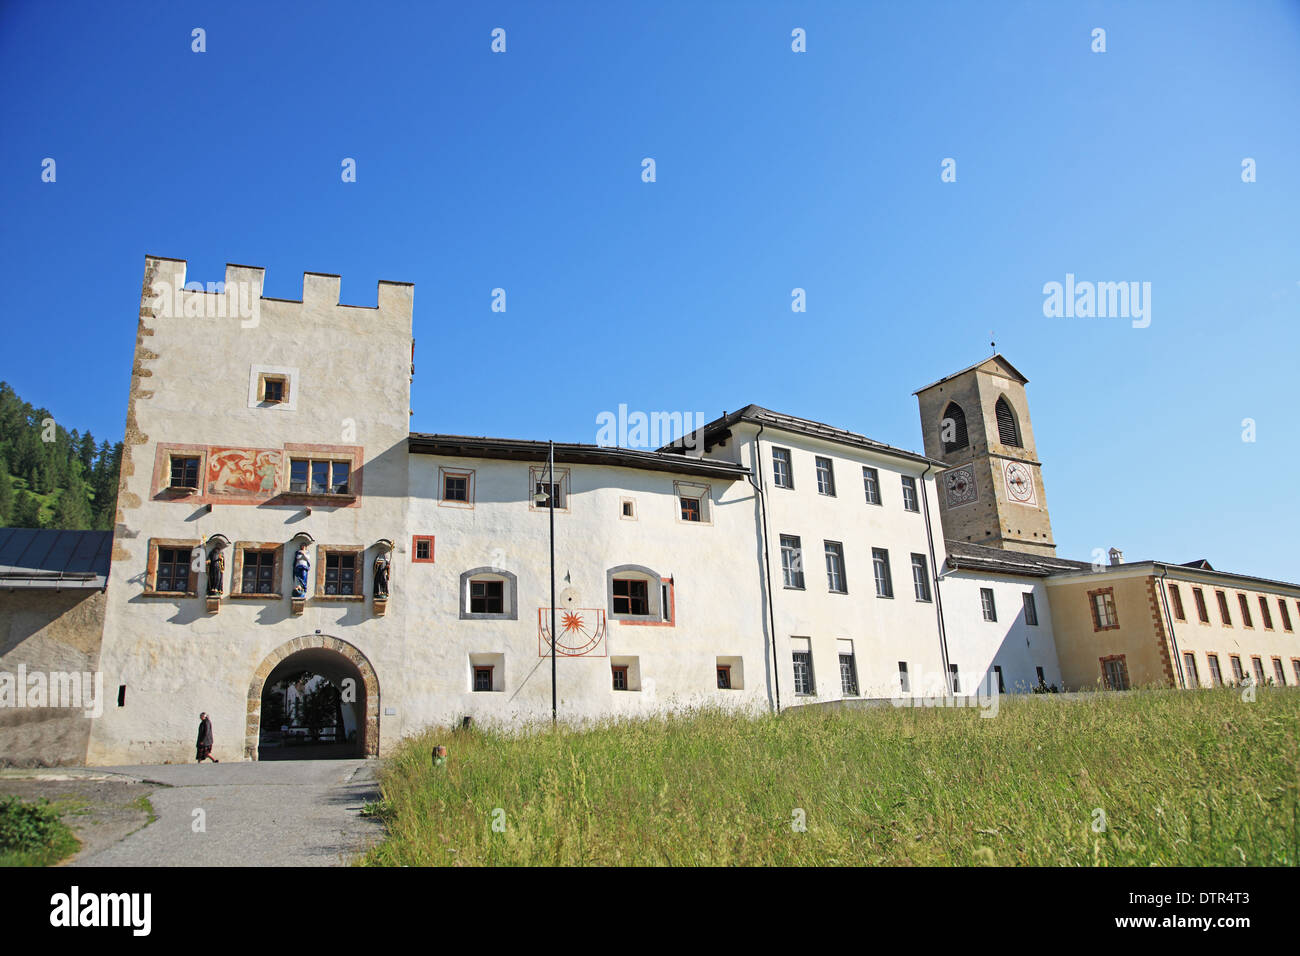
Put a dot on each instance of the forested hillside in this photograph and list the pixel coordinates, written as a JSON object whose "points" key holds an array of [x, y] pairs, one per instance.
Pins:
{"points": [[50, 477]]}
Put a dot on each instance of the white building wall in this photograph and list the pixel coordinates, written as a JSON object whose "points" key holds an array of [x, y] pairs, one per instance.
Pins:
{"points": [[976, 645]]}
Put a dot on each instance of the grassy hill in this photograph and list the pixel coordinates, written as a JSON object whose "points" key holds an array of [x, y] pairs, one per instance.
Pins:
{"points": [[1192, 778]]}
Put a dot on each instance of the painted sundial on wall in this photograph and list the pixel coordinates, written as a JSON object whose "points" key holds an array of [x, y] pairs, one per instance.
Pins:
{"points": [[960, 486], [579, 631], [1020, 483]]}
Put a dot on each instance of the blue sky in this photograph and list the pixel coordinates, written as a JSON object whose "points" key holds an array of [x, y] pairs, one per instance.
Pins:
{"points": [[775, 170]]}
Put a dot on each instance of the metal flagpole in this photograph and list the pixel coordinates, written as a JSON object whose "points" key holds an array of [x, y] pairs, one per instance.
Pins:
{"points": [[550, 479]]}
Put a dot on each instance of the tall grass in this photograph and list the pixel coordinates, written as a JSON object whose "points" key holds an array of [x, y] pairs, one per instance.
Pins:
{"points": [[1155, 777]]}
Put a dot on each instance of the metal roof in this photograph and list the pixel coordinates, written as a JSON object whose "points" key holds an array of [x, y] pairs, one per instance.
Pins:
{"points": [[963, 555], [50, 558]]}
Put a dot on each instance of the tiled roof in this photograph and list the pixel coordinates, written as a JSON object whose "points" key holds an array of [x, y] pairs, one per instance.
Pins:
{"points": [[49, 558], [977, 557]]}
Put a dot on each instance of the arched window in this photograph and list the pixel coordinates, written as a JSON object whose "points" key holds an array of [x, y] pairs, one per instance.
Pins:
{"points": [[952, 430], [1008, 432]]}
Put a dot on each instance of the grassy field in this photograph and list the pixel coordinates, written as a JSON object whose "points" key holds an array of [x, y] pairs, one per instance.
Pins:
{"points": [[31, 833], [1156, 777]]}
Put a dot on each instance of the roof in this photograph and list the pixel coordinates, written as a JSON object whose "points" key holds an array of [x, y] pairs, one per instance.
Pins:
{"points": [[719, 429], [1196, 570], [964, 556], [997, 355], [50, 558], [464, 446]]}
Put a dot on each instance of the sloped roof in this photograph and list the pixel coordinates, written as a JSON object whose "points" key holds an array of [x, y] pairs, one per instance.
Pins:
{"points": [[803, 426], [998, 356], [50, 558], [963, 555]]}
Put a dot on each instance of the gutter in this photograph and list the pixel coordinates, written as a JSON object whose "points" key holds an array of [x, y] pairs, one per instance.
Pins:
{"points": [[934, 572], [767, 559], [1173, 639]]}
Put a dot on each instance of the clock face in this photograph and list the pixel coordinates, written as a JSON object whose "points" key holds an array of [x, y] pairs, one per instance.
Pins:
{"points": [[959, 483], [1020, 483]]}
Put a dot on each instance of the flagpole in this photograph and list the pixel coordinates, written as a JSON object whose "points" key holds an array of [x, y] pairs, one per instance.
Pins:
{"points": [[550, 478]]}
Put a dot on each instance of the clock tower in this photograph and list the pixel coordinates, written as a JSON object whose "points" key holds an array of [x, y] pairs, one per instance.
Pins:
{"points": [[976, 422]]}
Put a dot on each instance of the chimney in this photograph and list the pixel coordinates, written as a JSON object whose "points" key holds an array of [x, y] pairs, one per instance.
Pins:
{"points": [[1116, 556]]}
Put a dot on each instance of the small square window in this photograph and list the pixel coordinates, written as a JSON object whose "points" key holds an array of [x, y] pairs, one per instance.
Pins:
{"points": [[422, 548], [274, 389], [455, 488], [185, 472], [724, 677], [690, 509], [487, 597], [628, 508], [482, 678], [620, 677], [631, 596]]}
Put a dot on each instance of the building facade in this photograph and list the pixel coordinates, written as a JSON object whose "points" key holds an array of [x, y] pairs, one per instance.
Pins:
{"points": [[278, 522]]}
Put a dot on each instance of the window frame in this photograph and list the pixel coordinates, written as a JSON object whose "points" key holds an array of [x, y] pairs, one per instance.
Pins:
{"points": [[921, 579], [852, 689], [477, 670], [416, 541], [1176, 596], [153, 560], [910, 489], [1243, 602], [1122, 662], [825, 470], [810, 681], [881, 573], [468, 475], [537, 478], [871, 486], [787, 465], [834, 554], [238, 561], [330, 461], [1031, 608], [1202, 607], [793, 569], [323, 554], [1095, 611], [654, 584], [1225, 615], [1265, 614], [509, 593], [172, 459], [989, 605]]}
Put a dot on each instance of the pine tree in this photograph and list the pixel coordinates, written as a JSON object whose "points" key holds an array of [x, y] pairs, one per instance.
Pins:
{"points": [[6, 495], [27, 511], [72, 513]]}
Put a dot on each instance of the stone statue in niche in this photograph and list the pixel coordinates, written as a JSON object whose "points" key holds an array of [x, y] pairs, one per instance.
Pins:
{"points": [[381, 577], [301, 565], [216, 571]]}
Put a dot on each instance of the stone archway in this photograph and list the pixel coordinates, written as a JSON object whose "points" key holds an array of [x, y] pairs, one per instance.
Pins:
{"points": [[328, 655]]}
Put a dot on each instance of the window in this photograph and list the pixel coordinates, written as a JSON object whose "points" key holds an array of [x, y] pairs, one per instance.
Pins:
{"points": [[955, 678], [553, 489], [340, 573], [986, 603], [274, 389], [1189, 670], [1114, 672], [487, 597], [904, 684], [172, 573], [1264, 613], [185, 472], [1042, 678], [848, 675], [825, 476], [1238, 674], [880, 568], [910, 502], [1245, 610], [694, 502], [489, 593], [1295, 667], [690, 509], [666, 602], [782, 473], [1223, 608], [1031, 609], [791, 561], [1008, 432], [835, 580], [628, 508], [482, 678], [258, 575], [631, 596], [724, 676], [997, 672], [1176, 595], [871, 484], [1286, 615], [1202, 613], [1103, 609], [920, 578], [1216, 675], [309, 476], [455, 488], [952, 429], [1258, 666], [1279, 672], [422, 549], [803, 675], [620, 676]]}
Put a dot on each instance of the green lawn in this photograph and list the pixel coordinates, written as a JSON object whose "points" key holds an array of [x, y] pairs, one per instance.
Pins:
{"points": [[1182, 778]]}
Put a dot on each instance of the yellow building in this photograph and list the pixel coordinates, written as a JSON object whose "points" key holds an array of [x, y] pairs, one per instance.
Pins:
{"points": [[1173, 625]]}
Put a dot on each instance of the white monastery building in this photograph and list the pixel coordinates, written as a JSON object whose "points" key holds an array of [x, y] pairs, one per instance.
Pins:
{"points": [[278, 519]]}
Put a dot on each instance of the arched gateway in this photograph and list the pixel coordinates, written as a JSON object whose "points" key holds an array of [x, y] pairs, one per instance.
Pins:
{"points": [[336, 660]]}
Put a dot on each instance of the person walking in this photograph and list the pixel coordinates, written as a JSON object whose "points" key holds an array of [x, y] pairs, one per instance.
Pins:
{"points": [[203, 745]]}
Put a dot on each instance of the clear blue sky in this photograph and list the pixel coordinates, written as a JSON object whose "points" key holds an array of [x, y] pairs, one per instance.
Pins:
{"points": [[775, 170]]}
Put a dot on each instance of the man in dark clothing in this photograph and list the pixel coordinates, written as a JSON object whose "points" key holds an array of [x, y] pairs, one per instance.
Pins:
{"points": [[203, 745]]}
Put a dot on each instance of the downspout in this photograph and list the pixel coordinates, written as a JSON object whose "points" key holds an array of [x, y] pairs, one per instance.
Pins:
{"points": [[1173, 639], [767, 562], [934, 570]]}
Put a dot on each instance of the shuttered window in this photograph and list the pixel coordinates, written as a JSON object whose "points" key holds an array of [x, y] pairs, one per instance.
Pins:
{"points": [[956, 431], [1008, 434]]}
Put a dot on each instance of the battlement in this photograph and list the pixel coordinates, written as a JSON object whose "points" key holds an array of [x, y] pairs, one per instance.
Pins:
{"points": [[166, 288]]}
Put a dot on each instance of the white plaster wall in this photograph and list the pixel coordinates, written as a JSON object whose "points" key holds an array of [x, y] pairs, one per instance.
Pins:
{"points": [[884, 631], [976, 645], [174, 658], [714, 566]]}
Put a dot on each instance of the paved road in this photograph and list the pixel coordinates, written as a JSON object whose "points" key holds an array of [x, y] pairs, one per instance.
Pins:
{"points": [[290, 813]]}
